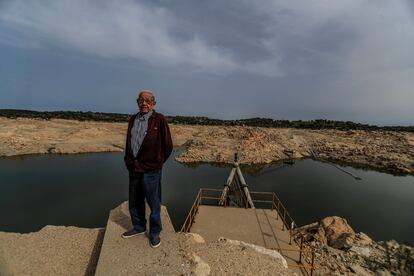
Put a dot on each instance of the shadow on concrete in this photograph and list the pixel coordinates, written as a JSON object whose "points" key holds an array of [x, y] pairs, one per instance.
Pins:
{"points": [[121, 217], [93, 261]]}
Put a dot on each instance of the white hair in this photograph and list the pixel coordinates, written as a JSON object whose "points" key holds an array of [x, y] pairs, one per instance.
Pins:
{"points": [[147, 91]]}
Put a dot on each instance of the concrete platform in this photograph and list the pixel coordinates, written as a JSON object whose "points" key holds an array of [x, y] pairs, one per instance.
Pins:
{"points": [[256, 226], [134, 256]]}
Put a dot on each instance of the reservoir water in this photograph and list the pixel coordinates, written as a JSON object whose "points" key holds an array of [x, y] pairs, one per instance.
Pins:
{"points": [[81, 189]]}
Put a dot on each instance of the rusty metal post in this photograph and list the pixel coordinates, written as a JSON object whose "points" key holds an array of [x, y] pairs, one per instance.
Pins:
{"points": [[313, 261], [284, 219], [277, 210], [273, 200], [301, 247]]}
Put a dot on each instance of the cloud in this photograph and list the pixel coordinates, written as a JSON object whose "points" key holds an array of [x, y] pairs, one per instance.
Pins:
{"points": [[113, 29], [344, 35], [295, 37], [116, 29]]}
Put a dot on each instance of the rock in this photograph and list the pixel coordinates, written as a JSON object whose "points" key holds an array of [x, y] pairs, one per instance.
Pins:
{"points": [[231, 257], [359, 270], [321, 236], [335, 226], [362, 251], [337, 231], [392, 244], [196, 238], [276, 255], [383, 273], [309, 227], [201, 268], [345, 241], [363, 257], [333, 231], [363, 239]]}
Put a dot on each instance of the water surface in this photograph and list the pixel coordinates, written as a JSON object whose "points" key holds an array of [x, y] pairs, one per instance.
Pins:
{"points": [[80, 190]]}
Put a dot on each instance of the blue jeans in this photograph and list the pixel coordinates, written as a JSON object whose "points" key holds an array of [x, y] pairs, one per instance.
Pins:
{"points": [[143, 186]]}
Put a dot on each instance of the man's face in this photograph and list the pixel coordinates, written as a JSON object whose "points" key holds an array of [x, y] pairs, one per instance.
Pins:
{"points": [[146, 102]]}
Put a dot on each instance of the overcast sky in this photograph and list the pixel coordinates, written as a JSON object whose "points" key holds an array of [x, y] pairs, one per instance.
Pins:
{"points": [[308, 59]]}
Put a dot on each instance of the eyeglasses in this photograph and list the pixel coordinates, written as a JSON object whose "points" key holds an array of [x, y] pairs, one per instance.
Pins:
{"points": [[143, 100]]}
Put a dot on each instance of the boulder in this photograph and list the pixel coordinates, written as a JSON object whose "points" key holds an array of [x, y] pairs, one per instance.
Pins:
{"points": [[337, 232]]}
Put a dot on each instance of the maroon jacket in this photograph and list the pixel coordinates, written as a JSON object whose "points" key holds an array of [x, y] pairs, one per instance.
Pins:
{"points": [[156, 146]]}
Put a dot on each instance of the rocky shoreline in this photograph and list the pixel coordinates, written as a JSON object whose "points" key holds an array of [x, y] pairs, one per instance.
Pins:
{"points": [[388, 151], [339, 250]]}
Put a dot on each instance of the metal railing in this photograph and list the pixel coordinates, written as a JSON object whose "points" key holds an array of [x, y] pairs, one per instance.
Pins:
{"points": [[306, 252], [306, 257], [197, 202]]}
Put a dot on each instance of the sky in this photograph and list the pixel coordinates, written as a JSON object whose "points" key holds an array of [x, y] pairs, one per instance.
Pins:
{"points": [[297, 60]]}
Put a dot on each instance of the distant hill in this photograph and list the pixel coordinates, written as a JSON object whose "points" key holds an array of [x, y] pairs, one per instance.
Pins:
{"points": [[69, 115], [256, 122]]}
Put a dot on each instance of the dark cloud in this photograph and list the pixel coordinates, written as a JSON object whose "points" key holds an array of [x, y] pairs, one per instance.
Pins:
{"points": [[272, 58]]}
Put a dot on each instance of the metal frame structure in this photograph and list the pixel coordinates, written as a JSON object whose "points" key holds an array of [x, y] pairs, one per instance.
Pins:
{"points": [[306, 258]]}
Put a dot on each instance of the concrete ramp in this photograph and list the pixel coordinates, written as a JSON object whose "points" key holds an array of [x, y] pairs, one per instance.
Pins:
{"points": [[256, 226], [134, 256]]}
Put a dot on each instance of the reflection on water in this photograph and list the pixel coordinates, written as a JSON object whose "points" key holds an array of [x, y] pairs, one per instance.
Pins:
{"points": [[81, 189]]}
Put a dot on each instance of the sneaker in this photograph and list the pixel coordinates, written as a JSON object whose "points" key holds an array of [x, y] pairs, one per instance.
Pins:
{"points": [[131, 233], [155, 241]]}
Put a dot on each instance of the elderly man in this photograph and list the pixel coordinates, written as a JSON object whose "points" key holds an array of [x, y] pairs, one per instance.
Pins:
{"points": [[148, 146]]}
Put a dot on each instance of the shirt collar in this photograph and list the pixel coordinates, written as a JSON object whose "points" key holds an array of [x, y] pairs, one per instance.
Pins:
{"points": [[145, 116]]}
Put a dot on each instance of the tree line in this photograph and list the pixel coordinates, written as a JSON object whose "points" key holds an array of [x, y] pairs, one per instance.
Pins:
{"points": [[195, 120]]}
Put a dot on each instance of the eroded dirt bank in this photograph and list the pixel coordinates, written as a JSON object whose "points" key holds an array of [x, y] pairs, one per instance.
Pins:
{"points": [[384, 150]]}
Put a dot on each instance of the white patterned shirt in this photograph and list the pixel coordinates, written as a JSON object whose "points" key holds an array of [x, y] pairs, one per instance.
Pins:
{"points": [[138, 131]]}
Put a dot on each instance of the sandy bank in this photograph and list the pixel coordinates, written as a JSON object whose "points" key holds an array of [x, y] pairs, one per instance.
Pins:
{"points": [[382, 150]]}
